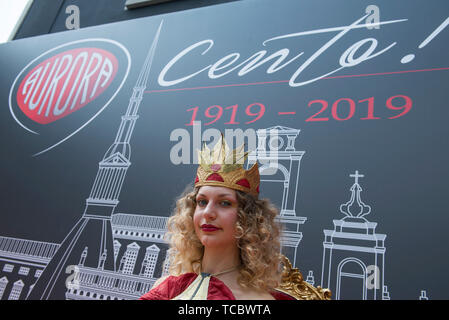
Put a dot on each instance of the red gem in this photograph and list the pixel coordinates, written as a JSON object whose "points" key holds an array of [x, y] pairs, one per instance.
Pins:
{"points": [[244, 183], [257, 189], [215, 177], [215, 167], [196, 180]]}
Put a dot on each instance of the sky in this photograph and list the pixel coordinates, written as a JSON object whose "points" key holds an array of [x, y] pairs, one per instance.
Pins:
{"points": [[10, 13]]}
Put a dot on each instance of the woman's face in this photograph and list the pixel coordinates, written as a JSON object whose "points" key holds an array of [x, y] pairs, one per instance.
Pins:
{"points": [[215, 216]]}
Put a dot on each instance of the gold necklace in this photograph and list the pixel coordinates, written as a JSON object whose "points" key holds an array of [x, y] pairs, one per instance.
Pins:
{"points": [[222, 272]]}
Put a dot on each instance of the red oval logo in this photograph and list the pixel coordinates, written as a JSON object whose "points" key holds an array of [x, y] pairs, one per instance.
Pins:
{"points": [[65, 83]]}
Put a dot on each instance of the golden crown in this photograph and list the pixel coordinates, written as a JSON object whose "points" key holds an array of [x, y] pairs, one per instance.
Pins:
{"points": [[224, 168]]}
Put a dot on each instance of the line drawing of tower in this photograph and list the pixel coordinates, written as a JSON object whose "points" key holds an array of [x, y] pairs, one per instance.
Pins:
{"points": [[310, 278], [353, 253], [281, 164], [386, 294], [423, 295], [100, 204]]}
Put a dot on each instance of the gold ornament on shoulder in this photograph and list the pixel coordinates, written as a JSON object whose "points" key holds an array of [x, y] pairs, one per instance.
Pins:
{"points": [[293, 284]]}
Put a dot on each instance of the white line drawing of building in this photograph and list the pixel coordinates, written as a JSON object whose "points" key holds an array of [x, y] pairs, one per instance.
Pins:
{"points": [[138, 256], [128, 261], [16, 290], [354, 254], [310, 278], [139, 227], [3, 284], [281, 165], [423, 295], [22, 262], [385, 294], [150, 260], [100, 206], [166, 264]]}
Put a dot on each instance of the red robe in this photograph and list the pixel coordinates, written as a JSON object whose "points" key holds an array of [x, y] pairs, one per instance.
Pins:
{"points": [[175, 285]]}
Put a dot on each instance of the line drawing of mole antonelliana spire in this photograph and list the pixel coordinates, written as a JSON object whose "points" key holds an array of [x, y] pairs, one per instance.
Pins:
{"points": [[100, 204]]}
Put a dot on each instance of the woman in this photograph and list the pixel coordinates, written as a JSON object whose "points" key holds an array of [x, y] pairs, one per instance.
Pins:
{"points": [[224, 240]]}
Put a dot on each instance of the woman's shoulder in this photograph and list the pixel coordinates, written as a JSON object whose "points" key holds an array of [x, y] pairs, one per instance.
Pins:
{"points": [[165, 288], [160, 280]]}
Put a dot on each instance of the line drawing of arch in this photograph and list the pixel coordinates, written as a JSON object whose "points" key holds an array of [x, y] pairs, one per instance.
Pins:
{"points": [[286, 181], [276, 152], [279, 166], [339, 274]]}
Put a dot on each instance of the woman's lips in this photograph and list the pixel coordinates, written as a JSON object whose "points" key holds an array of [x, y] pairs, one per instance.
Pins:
{"points": [[208, 228]]}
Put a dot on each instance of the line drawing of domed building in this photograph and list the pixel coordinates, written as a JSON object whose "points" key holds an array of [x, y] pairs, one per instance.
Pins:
{"points": [[353, 253]]}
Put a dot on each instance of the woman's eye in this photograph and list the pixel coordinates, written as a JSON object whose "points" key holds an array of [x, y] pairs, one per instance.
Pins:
{"points": [[225, 203], [202, 202]]}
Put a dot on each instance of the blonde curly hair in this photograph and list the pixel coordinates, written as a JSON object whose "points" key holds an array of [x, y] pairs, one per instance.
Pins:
{"points": [[256, 230]]}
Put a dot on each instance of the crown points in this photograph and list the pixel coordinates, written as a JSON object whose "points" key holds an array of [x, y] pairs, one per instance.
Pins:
{"points": [[222, 166]]}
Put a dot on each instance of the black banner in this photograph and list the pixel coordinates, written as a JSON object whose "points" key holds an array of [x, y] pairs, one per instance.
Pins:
{"points": [[342, 102]]}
